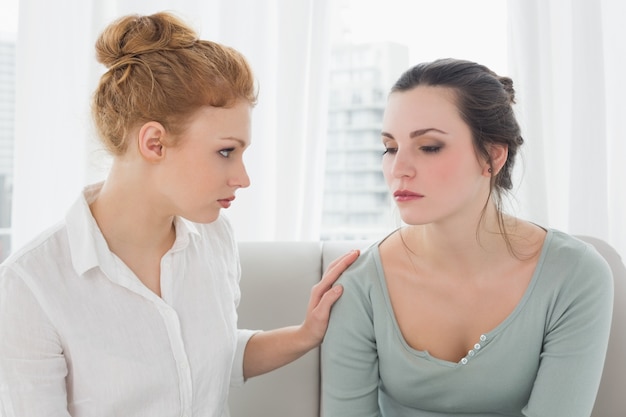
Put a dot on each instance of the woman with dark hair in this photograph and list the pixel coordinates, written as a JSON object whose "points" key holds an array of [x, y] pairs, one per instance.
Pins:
{"points": [[128, 307], [464, 310]]}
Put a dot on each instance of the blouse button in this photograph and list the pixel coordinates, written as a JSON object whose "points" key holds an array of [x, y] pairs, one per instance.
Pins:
{"points": [[463, 361], [477, 346], [483, 337]]}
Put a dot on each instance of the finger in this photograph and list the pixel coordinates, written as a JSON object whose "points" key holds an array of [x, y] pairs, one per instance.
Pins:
{"points": [[346, 257], [336, 268], [328, 299], [333, 272]]}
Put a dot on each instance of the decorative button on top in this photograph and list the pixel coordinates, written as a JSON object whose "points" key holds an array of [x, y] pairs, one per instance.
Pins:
{"points": [[472, 352]]}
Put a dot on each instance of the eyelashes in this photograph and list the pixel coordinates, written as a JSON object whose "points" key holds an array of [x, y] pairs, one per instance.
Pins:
{"points": [[226, 152], [425, 149], [431, 149]]}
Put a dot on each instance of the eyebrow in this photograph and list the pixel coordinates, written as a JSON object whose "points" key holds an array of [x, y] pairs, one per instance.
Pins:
{"points": [[241, 142], [415, 133]]}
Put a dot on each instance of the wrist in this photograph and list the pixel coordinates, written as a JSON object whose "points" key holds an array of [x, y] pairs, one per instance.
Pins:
{"points": [[306, 338]]}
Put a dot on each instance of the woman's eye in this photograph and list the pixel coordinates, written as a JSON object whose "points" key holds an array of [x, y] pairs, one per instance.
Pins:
{"points": [[431, 149], [390, 151], [226, 152]]}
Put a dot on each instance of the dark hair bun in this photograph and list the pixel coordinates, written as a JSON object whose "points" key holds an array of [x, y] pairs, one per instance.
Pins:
{"points": [[508, 87]]}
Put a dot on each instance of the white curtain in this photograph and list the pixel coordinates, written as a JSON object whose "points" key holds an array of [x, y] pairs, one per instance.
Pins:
{"points": [[567, 59], [56, 152]]}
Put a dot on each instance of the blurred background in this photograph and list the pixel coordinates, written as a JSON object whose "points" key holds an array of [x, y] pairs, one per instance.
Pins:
{"points": [[324, 69]]}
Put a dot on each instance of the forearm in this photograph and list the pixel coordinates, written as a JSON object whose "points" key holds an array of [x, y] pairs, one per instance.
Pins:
{"points": [[272, 349]]}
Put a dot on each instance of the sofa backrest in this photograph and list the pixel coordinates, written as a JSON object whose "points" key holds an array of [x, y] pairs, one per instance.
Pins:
{"points": [[276, 282], [611, 399], [275, 286]]}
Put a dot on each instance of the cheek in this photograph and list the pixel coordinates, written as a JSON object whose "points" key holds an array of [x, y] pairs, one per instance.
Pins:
{"points": [[435, 170], [196, 174], [455, 168]]}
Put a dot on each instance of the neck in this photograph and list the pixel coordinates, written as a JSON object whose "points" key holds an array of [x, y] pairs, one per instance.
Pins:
{"points": [[125, 214], [460, 245]]}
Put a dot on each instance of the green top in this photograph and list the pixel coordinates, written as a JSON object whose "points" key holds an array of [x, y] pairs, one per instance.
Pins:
{"points": [[544, 359]]}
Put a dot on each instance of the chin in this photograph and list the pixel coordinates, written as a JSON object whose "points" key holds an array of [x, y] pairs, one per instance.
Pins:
{"points": [[412, 219]]}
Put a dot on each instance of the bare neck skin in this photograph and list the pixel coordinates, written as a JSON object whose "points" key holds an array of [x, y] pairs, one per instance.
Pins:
{"points": [[137, 229], [462, 246]]}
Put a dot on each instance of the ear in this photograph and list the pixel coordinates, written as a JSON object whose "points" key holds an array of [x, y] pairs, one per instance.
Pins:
{"points": [[150, 141], [498, 154]]}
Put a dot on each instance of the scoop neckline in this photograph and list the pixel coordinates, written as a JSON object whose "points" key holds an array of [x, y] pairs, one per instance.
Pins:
{"points": [[486, 337]]}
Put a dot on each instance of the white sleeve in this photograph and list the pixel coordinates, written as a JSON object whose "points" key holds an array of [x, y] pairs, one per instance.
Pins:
{"points": [[32, 365], [236, 375]]}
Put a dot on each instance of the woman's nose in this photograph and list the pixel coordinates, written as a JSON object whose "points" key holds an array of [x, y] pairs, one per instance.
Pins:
{"points": [[240, 178], [403, 164]]}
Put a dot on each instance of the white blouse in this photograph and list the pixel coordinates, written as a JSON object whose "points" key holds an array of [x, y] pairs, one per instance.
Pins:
{"points": [[80, 335]]}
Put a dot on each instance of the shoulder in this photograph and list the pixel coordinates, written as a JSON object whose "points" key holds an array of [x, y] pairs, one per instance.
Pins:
{"points": [[49, 247], [575, 285], [571, 252], [36, 271], [361, 290], [365, 273], [580, 267]]}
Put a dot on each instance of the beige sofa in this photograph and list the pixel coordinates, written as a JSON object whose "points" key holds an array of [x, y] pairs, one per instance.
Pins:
{"points": [[276, 281]]}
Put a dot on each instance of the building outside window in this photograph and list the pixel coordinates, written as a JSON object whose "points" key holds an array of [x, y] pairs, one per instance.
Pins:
{"points": [[356, 200]]}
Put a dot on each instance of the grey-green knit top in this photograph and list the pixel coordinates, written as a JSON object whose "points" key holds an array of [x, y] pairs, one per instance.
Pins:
{"points": [[544, 359]]}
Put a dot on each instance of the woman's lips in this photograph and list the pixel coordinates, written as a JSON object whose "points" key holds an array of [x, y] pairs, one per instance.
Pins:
{"points": [[225, 202], [404, 195]]}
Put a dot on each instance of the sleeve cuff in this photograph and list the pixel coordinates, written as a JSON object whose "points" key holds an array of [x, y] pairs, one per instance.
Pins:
{"points": [[236, 374]]}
